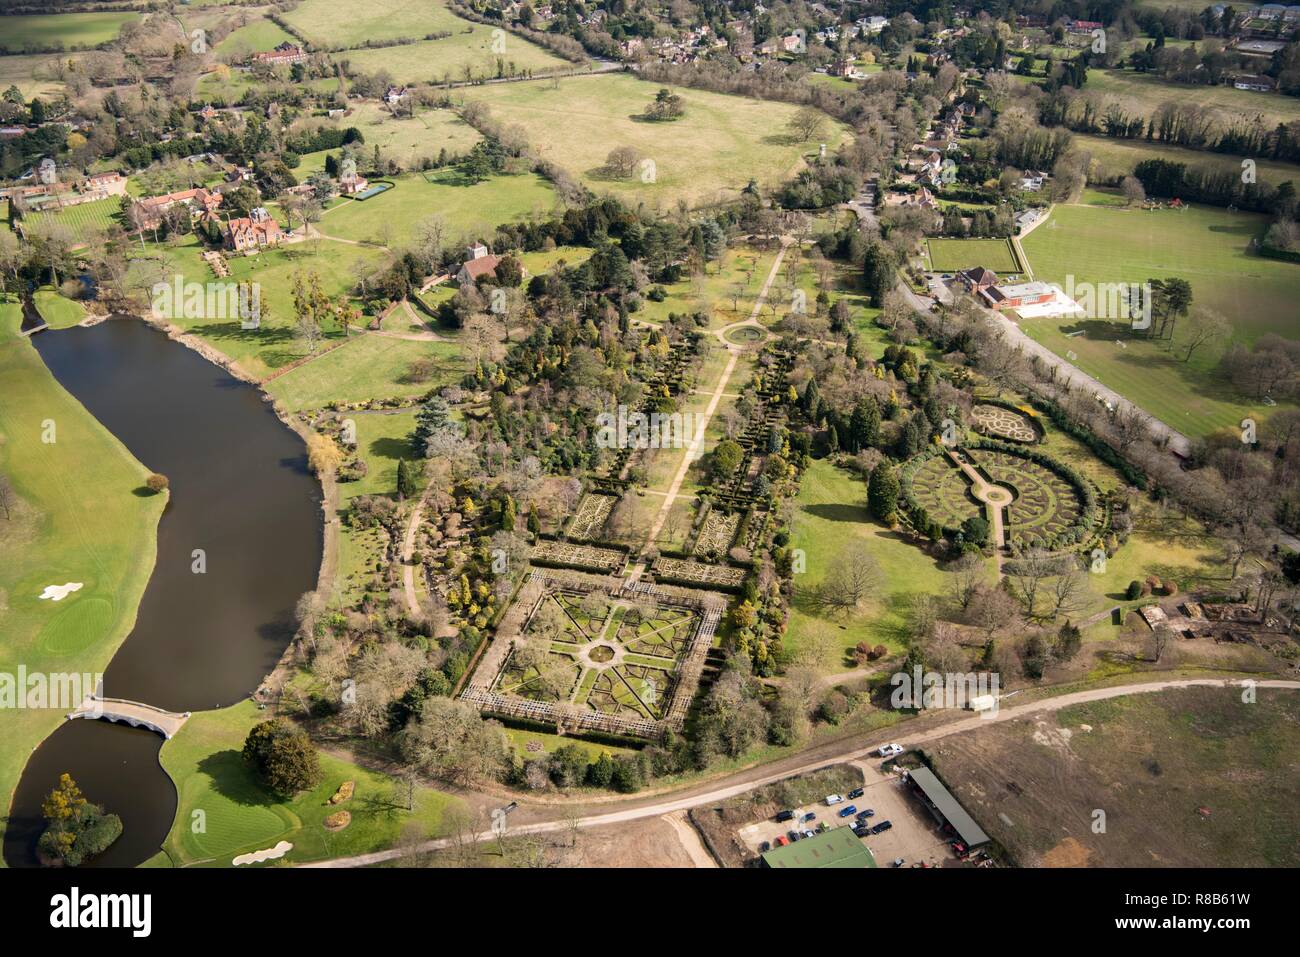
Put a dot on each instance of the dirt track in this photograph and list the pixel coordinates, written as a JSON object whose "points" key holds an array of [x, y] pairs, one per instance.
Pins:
{"points": [[803, 763]]}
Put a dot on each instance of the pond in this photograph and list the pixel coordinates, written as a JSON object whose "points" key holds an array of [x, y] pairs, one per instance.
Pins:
{"points": [[239, 543]]}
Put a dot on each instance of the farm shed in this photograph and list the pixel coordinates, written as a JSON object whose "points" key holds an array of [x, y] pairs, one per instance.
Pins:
{"points": [[946, 808]]}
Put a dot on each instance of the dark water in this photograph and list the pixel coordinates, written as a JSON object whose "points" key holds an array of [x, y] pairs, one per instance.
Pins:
{"points": [[241, 493]]}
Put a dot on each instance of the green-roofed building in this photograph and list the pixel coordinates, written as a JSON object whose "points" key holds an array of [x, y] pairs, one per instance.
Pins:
{"points": [[838, 847]]}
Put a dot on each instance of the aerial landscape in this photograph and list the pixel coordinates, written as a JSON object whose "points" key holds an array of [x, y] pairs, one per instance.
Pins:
{"points": [[486, 436]]}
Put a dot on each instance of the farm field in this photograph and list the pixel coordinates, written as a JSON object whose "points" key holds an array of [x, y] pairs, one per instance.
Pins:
{"points": [[1143, 94], [205, 763], [65, 527], [1144, 759], [406, 139], [71, 31], [830, 518], [469, 211], [1114, 157], [952, 255], [32, 74], [341, 24], [256, 37], [1204, 245], [710, 153], [467, 54]]}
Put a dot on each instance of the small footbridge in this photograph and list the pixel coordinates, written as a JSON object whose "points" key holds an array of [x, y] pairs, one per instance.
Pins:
{"points": [[137, 715]]}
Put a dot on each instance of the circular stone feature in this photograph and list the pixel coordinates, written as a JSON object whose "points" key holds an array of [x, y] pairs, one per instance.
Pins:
{"points": [[601, 654]]}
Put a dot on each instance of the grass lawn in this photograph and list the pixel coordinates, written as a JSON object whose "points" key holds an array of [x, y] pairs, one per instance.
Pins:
{"points": [[1143, 94], [58, 312], [830, 517], [340, 24], [726, 291], [469, 211], [1119, 157], [952, 255], [710, 153], [470, 53], [204, 761], [1205, 245], [275, 344], [77, 519], [368, 366], [71, 30]]}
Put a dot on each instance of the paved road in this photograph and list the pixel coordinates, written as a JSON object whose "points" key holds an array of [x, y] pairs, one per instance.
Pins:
{"points": [[815, 759]]}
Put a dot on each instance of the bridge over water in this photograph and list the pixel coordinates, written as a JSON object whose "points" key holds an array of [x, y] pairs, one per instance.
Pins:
{"points": [[134, 713]]}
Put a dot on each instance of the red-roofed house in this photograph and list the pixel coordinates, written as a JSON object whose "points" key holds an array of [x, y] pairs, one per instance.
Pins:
{"points": [[253, 232]]}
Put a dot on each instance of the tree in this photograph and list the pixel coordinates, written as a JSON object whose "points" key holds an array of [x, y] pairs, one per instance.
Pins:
{"points": [[75, 829], [1203, 327], [807, 123], [323, 454], [622, 161], [433, 423], [727, 456], [283, 757], [853, 576], [406, 480], [451, 739], [882, 492], [7, 496], [157, 482], [1134, 194]]}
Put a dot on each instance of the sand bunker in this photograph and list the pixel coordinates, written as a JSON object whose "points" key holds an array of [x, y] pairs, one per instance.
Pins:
{"points": [[269, 854], [59, 592]]}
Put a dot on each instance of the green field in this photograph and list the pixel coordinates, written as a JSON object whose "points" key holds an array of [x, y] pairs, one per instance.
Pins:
{"points": [[469, 54], [1143, 94], [1115, 158], [368, 366], [830, 517], [58, 312], [707, 155], [469, 211], [69, 31], [275, 344], [406, 140], [77, 519], [238, 816], [256, 37], [953, 255], [340, 24], [1204, 245]]}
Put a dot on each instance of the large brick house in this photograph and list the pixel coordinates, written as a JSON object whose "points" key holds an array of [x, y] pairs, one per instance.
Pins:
{"points": [[1017, 296], [286, 54], [253, 232]]}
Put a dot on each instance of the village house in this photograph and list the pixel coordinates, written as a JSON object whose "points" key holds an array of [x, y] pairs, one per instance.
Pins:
{"points": [[202, 203], [395, 94], [286, 54], [253, 232], [977, 279], [1252, 81]]}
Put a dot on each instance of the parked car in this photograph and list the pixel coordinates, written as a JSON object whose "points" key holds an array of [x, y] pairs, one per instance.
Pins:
{"points": [[792, 835], [849, 811], [783, 816], [863, 815], [833, 799], [765, 847], [782, 840], [810, 833], [882, 826], [857, 793], [898, 862], [810, 816], [861, 830], [889, 750]]}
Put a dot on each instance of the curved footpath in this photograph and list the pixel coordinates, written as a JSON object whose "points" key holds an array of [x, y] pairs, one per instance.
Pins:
{"points": [[811, 760]]}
